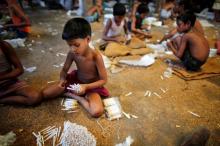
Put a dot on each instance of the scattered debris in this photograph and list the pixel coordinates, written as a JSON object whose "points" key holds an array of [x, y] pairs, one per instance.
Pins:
{"points": [[113, 108], [168, 72], [30, 69], [161, 77], [194, 114], [61, 54], [49, 82], [75, 88], [147, 93], [128, 141], [126, 115], [59, 65], [157, 94], [7, 139], [42, 51], [72, 135], [178, 126], [105, 131], [128, 94], [129, 116], [163, 90]]}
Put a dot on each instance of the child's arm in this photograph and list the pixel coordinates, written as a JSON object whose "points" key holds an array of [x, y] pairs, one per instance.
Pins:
{"points": [[17, 11], [126, 27], [133, 28], [65, 69], [101, 71], [178, 52], [169, 35], [12, 57], [105, 32]]}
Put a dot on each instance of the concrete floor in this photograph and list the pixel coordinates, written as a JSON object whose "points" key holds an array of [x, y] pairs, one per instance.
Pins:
{"points": [[161, 122]]}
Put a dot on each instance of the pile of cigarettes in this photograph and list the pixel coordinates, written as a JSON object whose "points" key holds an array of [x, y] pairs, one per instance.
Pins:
{"points": [[71, 135], [70, 105], [75, 88]]}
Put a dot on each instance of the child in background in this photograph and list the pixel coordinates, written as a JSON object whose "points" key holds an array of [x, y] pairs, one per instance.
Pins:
{"points": [[116, 25], [136, 4], [193, 49], [94, 12], [90, 74], [137, 26], [180, 8], [20, 21], [167, 9], [12, 90]]}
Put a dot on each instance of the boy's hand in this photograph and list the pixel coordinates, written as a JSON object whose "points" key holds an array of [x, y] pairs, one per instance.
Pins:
{"points": [[83, 88], [119, 39], [147, 35], [62, 83]]}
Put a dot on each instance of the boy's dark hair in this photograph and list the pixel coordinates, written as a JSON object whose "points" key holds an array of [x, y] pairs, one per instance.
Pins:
{"points": [[187, 17], [119, 9], [76, 28], [142, 8]]}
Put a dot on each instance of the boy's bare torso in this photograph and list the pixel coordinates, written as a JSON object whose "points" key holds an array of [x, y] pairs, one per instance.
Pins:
{"points": [[198, 46], [86, 67]]}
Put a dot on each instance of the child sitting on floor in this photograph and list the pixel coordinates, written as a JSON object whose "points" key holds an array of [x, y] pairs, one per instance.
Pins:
{"points": [[184, 7], [137, 26], [12, 90], [193, 49], [90, 74], [94, 12], [115, 25], [20, 22]]}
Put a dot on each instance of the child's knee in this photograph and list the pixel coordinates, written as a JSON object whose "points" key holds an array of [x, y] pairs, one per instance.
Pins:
{"points": [[34, 99], [97, 112]]}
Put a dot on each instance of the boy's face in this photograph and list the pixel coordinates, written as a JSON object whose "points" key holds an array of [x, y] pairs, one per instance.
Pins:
{"points": [[119, 19], [183, 27], [79, 46]]}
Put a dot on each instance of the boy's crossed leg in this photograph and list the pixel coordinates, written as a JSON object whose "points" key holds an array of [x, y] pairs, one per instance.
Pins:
{"points": [[91, 102]]}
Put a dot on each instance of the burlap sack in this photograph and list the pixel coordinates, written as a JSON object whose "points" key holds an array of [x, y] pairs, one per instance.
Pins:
{"points": [[115, 49], [136, 43]]}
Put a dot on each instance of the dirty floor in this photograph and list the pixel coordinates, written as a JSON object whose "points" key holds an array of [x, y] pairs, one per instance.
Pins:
{"points": [[161, 121]]}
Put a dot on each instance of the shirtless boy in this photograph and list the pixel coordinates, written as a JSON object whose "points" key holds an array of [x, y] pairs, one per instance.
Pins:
{"points": [[90, 74], [193, 49]]}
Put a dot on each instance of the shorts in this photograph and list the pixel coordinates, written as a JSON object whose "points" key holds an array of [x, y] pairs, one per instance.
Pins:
{"points": [[190, 62], [72, 78]]}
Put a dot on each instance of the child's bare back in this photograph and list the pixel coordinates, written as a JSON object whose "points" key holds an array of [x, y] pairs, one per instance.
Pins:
{"points": [[198, 46]]}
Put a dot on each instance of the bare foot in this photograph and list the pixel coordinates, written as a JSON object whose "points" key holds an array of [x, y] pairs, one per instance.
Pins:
{"points": [[71, 95]]}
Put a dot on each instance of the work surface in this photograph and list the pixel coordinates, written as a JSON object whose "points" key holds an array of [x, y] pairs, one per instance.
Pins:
{"points": [[161, 121]]}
